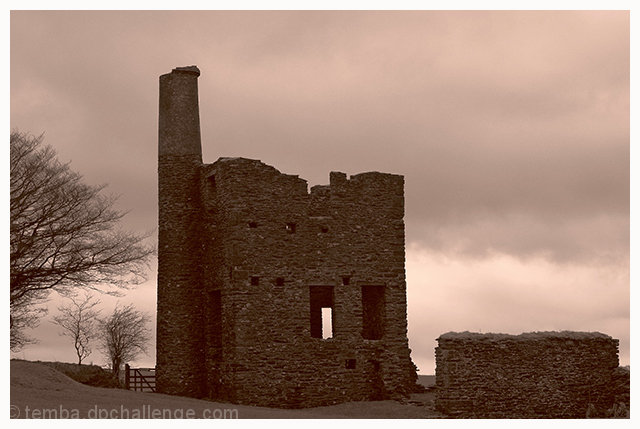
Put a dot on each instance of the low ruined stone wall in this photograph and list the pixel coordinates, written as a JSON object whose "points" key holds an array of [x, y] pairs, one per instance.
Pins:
{"points": [[533, 375]]}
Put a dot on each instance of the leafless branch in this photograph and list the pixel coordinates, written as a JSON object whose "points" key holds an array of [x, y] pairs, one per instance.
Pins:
{"points": [[64, 233]]}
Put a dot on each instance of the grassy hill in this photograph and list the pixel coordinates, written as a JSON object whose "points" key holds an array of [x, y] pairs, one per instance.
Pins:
{"points": [[92, 375], [38, 390]]}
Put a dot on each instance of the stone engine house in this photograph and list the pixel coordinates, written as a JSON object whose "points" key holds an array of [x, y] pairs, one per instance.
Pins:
{"points": [[270, 294]]}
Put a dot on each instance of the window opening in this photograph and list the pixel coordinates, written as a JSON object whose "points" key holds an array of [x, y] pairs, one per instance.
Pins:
{"points": [[322, 316]]}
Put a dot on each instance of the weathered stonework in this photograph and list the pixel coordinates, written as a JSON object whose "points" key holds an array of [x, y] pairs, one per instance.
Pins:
{"points": [[534, 375], [247, 259]]}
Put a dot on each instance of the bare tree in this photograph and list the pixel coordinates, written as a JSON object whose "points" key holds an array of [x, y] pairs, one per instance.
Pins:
{"points": [[79, 321], [124, 335], [64, 235], [23, 317]]}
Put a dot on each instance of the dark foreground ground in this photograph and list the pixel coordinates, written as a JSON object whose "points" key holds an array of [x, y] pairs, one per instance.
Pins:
{"points": [[40, 391]]}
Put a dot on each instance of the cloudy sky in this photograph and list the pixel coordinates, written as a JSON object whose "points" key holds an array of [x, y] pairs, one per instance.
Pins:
{"points": [[511, 129]]}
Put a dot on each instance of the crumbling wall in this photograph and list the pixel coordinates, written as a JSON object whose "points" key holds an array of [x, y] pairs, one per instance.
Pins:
{"points": [[533, 375], [278, 253]]}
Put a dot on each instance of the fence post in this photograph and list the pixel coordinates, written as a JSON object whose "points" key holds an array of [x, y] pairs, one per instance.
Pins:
{"points": [[126, 376]]}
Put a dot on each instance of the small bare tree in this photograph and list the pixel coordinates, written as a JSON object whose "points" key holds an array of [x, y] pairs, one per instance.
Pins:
{"points": [[124, 335], [79, 321]]}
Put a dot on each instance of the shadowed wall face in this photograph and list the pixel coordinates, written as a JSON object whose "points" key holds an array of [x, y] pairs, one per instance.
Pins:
{"points": [[545, 374]]}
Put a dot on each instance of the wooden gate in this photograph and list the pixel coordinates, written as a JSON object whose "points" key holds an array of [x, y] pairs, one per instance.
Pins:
{"points": [[140, 379]]}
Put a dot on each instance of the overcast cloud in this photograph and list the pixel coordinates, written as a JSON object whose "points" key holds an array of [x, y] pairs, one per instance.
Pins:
{"points": [[511, 128]]}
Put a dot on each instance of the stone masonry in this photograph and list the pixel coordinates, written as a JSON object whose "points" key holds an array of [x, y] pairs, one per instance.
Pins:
{"points": [[250, 261], [533, 375]]}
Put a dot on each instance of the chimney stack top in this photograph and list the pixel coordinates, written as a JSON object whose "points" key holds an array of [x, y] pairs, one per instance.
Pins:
{"points": [[188, 69]]}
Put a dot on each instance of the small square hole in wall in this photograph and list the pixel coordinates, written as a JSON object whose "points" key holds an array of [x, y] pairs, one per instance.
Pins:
{"points": [[324, 229], [253, 224], [255, 281], [291, 228], [346, 280], [280, 281], [350, 364]]}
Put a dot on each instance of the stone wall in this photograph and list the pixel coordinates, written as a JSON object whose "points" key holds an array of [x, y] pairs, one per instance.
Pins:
{"points": [[282, 253], [533, 375], [248, 257]]}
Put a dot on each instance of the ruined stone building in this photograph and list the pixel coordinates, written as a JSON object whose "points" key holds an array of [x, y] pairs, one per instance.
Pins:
{"points": [[252, 265]]}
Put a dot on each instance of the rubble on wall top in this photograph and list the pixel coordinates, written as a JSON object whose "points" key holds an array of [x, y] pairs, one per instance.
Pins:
{"points": [[568, 335], [242, 160], [233, 158], [246, 166], [224, 160], [370, 174]]}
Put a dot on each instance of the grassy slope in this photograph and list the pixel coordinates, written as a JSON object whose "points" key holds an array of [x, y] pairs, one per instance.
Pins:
{"points": [[91, 375], [38, 386]]}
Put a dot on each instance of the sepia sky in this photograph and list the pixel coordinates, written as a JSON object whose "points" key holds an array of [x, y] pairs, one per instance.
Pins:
{"points": [[511, 129]]}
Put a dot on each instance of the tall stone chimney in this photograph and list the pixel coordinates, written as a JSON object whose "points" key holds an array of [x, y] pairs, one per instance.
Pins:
{"points": [[179, 120], [179, 343]]}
